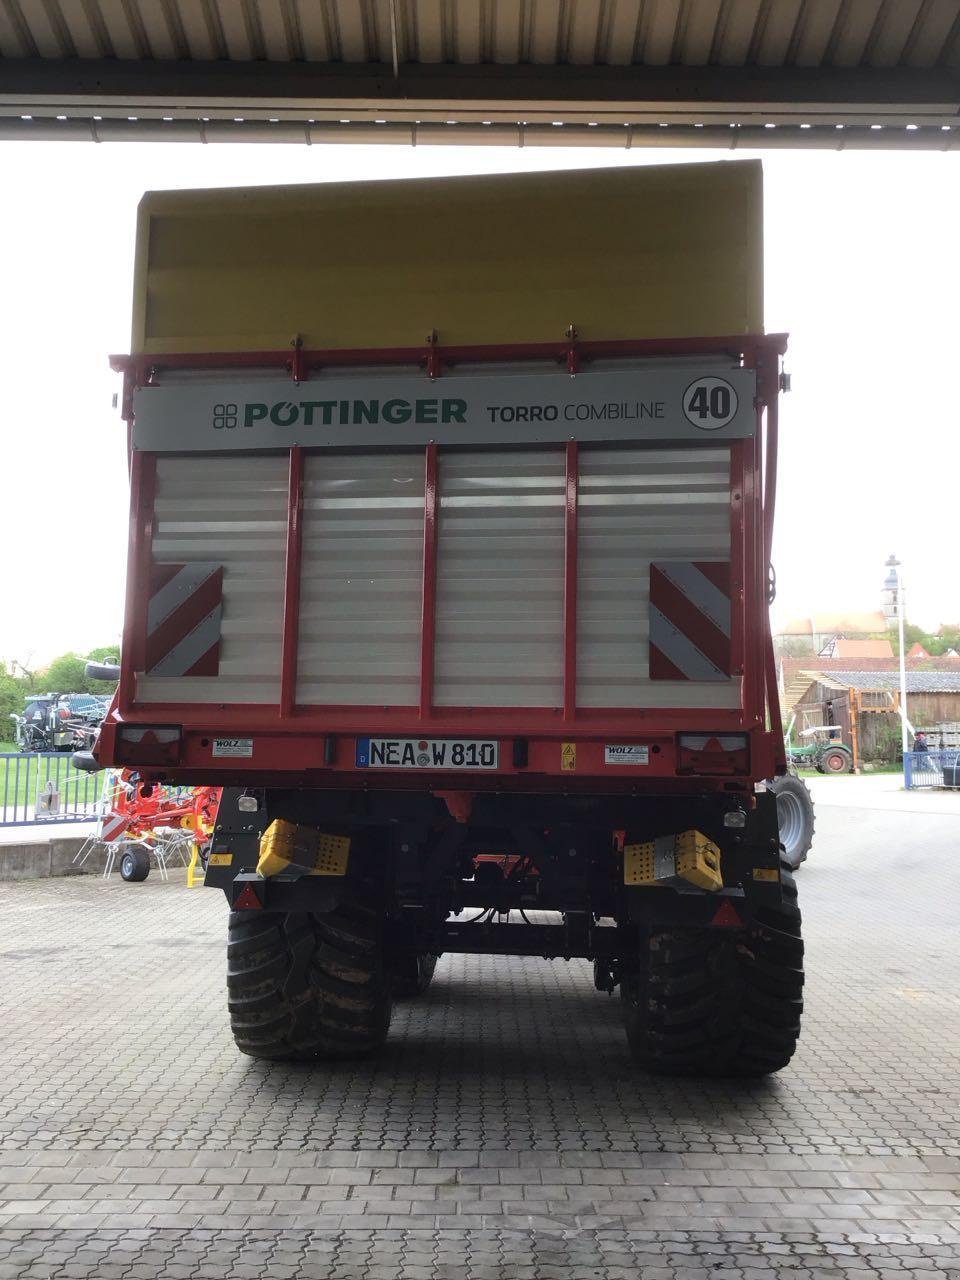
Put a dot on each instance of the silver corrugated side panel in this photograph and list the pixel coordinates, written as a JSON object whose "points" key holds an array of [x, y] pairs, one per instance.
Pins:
{"points": [[638, 505], [361, 588], [229, 510], [500, 573], [500, 579]]}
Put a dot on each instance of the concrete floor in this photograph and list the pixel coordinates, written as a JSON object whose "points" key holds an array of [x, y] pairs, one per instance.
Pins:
{"points": [[504, 1132]]}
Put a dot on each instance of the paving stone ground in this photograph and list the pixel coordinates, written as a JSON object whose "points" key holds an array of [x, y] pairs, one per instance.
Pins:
{"points": [[504, 1132]]}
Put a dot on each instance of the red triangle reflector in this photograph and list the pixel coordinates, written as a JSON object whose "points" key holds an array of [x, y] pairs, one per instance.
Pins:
{"points": [[726, 914], [247, 900]]}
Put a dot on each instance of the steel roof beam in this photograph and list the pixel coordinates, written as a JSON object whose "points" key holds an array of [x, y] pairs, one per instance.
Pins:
{"points": [[99, 81], [511, 105]]}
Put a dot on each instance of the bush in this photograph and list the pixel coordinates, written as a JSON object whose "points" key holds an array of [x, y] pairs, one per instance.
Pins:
{"points": [[12, 693], [887, 744]]}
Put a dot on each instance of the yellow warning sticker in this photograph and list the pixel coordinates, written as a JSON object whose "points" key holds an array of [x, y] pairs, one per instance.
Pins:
{"points": [[221, 859], [766, 873], [568, 755]]}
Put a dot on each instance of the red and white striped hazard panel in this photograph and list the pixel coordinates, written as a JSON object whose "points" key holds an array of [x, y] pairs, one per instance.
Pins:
{"points": [[690, 620], [114, 825], [183, 619]]}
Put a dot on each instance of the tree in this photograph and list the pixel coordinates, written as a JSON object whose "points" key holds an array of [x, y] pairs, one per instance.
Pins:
{"points": [[66, 674], [948, 637], [105, 653], [794, 646], [25, 668], [12, 693], [912, 634]]}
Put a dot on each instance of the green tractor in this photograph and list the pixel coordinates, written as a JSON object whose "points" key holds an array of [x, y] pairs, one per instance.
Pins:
{"points": [[823, 750]]}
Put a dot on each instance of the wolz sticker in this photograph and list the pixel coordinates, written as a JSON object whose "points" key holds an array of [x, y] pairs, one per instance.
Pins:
{"points": [[626, 754], [235, 747]]}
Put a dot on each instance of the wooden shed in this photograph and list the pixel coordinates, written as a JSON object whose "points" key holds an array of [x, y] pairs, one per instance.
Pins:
{"points": [[866, 706]]}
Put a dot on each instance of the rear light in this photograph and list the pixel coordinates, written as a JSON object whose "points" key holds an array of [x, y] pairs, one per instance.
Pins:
{"points": [[713, 753], [148, 744]]}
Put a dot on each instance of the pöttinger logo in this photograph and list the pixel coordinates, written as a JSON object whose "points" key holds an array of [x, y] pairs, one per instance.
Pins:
{"points": [[224, 415]]}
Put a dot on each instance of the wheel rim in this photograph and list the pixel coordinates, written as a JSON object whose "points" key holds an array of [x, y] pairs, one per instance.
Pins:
{"points": [[835, 763], [127, 865], [790, 819]]}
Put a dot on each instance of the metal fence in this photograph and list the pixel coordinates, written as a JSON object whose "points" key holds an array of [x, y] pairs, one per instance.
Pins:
{"points": [[45, 787], [931, 769]]}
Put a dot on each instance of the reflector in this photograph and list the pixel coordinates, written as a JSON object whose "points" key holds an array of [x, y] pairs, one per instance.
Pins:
{"points": [[248, 900], [726, 915]]}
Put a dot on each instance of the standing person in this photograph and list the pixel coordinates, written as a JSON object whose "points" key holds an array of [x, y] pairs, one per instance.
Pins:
{"points": [[927, 761]]}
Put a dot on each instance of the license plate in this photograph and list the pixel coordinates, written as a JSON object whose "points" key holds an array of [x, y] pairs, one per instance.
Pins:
{"points": [[427, 753]]}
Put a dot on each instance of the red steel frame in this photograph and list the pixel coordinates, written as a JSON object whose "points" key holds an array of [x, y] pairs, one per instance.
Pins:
{"points": [[290, 640], [428, 627], [285, 725], [570, 569]]}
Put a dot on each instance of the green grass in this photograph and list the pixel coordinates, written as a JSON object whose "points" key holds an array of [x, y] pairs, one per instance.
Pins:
{"points": [[18, 787]]}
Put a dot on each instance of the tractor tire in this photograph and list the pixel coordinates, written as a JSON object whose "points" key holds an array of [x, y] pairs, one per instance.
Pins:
{"points": [[303, 987], [719, 1002], [796, 818], [412, 975], [134, 865], [836, 760]]}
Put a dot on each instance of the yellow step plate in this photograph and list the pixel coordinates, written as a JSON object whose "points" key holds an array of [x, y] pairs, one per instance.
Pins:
{"points": [[289, 846], [688, 858], [698, 860]]}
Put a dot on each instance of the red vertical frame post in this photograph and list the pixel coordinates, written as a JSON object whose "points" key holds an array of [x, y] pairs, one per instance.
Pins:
{"points": [[761, 607], [769, 388], [739, 559], [768, 383], [428, 620], [290, 641], [570, 551], [753, 565], [143, 486]]}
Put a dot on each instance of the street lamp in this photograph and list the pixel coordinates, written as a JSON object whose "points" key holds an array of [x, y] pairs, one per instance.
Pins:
{"points": [[894, 609]]}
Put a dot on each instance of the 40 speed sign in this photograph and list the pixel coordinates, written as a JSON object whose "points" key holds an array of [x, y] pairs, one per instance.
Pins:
{"points": [[710, 403]]}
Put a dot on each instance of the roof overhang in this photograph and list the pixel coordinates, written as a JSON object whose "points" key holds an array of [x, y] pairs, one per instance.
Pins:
{"points": [[740, 73]]}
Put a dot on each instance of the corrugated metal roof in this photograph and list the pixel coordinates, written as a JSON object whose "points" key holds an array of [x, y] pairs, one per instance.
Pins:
{"points": [[726, 33], [917, 681], [728, 72]]}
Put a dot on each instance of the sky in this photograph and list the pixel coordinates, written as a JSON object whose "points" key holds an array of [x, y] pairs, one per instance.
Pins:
{"points": [[862, 268]]}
